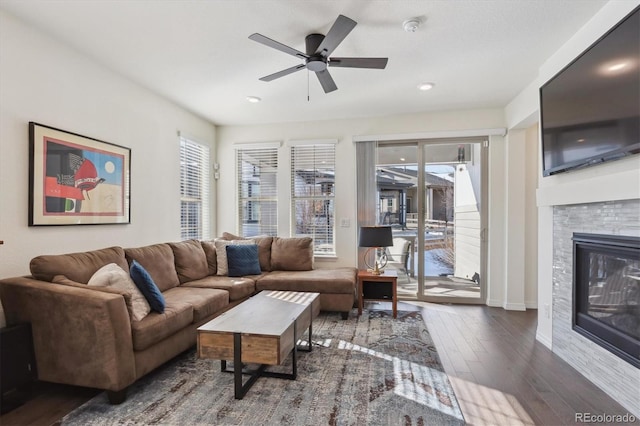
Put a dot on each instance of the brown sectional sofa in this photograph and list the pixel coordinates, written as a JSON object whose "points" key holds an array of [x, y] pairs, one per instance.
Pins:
{"points": [[85, 336]]}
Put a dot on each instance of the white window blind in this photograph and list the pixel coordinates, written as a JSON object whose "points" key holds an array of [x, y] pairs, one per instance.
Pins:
{"points": [[194, 190], [313, 195], [257, 191]]}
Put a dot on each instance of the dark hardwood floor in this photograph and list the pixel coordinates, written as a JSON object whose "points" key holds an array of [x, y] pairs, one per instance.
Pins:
{"points": [[500, 374], [47, 404]]}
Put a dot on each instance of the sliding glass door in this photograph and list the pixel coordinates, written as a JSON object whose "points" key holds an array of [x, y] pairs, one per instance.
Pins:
{"points": [[431, 193]]}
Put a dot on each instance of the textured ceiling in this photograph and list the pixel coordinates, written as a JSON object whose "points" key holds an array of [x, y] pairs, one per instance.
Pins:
{"points": [[480, 53]]}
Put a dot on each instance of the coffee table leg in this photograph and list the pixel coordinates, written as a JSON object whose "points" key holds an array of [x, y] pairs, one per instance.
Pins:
{"points": [[295, 350], [237, 365], [308, 349]]}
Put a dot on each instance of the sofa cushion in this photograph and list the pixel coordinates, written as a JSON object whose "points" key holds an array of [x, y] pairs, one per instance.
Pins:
{"points": [[78, 267], [158, 260], [336, 280], [205, 301], [264, 248], [113, 276], [243, 260], [209, 248], [190, 260], [292, 254], [238, 288], [221, 253], [155, 327], [145, 283]]}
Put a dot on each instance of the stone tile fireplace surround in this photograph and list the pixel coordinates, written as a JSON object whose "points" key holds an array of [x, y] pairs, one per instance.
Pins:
{"points": [[615, 376]]}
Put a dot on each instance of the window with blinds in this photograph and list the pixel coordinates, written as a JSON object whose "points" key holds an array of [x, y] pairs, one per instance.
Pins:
{"points": [[257, 191], [313, 195], [194, 190]]}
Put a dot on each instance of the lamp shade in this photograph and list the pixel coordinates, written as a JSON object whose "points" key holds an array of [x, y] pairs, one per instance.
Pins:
{"points": [[375, 236]]}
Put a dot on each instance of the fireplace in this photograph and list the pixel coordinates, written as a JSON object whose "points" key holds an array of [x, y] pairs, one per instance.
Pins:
{"points": [[606, 292]]}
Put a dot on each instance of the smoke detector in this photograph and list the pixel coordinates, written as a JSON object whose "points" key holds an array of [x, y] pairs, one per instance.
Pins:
{"points": [[411, 25]]}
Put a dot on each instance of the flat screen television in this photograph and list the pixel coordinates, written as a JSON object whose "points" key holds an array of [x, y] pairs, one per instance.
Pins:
{"points": [[590, 111]]}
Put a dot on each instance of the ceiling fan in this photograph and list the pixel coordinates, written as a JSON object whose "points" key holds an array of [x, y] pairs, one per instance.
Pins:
{"points": [[318, 48]]}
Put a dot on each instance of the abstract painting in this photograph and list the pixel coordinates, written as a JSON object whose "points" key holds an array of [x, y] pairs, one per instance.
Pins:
{"points": [[76, 180]]}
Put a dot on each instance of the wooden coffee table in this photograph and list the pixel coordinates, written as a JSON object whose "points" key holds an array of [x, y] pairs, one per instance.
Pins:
{"points": [[261, 330]]}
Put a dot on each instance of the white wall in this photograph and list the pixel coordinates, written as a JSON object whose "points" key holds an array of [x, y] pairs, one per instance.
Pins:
{"points": [[497, 212], [531, 218], [516, 220], [44, 81]]}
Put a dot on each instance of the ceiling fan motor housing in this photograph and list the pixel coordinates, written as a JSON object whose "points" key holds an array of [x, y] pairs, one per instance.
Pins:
{"points": [[312, 42], [316, 61]]}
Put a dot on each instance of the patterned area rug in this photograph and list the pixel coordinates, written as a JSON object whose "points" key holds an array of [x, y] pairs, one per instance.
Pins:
{"points": [[371, 370]]}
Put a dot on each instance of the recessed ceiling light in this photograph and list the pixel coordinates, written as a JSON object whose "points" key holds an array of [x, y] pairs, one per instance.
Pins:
{"points": [[253, 99], [402, 159], [426, 86]]}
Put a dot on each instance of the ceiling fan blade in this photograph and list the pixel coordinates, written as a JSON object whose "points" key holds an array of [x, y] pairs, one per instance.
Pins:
{"points": [[326, 81], [282, 73], [340, 29], [277, 45], [375, 63]]}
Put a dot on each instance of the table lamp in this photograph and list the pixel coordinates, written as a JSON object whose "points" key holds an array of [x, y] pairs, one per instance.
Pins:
{"points": [[375, 237]]}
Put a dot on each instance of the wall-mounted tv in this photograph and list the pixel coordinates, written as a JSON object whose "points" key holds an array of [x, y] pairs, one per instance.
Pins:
{"points": [[590, 110]]}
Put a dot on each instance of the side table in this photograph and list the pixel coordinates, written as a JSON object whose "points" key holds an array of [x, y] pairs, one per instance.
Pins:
{"points": [[17, 365], [383, 288]]}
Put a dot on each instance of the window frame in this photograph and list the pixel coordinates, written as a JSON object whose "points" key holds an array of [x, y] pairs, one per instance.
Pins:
{"points": [[319, 156], [256, 200], [198, 179]]}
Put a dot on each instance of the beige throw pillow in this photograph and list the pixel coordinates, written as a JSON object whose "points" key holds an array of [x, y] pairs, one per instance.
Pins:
{"points": [[221, 253], [112, 275]]}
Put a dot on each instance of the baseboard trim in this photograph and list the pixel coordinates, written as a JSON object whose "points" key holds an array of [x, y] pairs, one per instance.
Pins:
{"points": [[545, 340], [531, 304], [515, 306], [494, 303]]}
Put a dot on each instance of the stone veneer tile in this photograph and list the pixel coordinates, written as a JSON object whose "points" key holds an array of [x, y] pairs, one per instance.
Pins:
{"points": [[618, 378]]}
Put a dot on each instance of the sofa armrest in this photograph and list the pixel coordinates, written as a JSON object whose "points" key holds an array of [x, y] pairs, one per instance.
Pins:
{"points": [[80, 336]]}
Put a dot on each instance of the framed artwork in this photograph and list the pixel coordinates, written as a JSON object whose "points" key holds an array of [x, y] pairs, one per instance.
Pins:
{"points": [[76, 180]]}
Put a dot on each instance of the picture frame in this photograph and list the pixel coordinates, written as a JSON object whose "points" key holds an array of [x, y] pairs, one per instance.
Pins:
{"points": [[77, 180]]}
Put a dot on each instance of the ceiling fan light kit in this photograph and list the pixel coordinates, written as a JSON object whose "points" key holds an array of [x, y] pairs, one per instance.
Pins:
{"points": [[318, 49]]}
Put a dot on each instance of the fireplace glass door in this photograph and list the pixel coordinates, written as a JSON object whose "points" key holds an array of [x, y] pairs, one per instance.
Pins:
{"points": [[607, 292]]}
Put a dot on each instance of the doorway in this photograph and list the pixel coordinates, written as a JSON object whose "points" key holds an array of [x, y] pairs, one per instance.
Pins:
{"points": [[431, 192]]}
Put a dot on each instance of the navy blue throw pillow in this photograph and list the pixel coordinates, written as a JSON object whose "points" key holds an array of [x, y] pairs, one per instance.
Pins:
{"points": [[147, 287], [243, 260]]}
